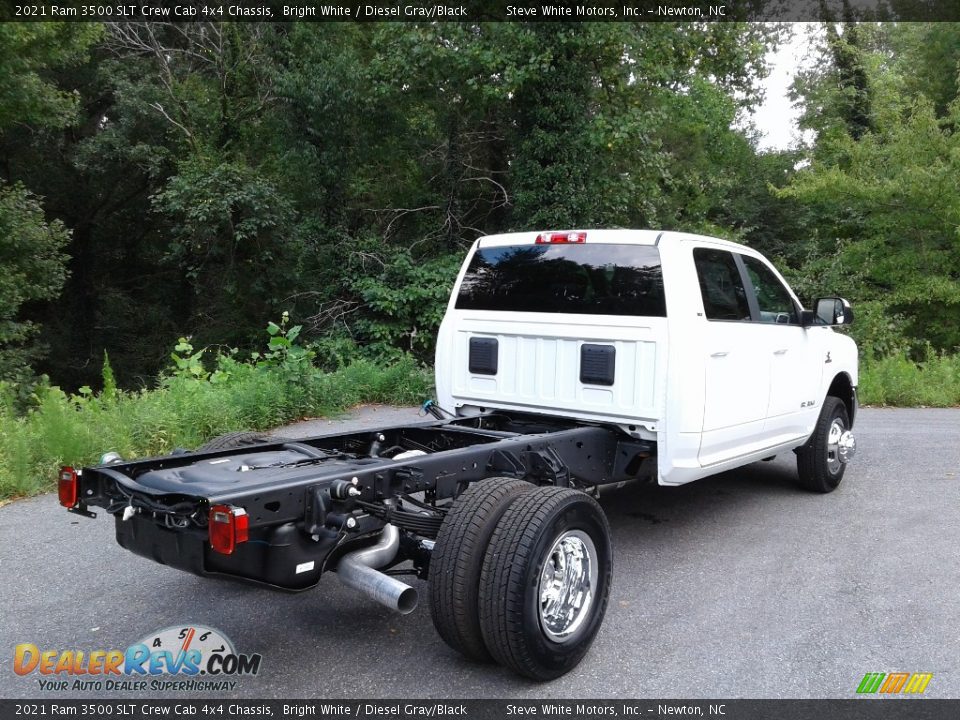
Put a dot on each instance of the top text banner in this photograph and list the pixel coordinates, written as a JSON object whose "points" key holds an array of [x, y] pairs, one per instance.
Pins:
{"points": [[476, 11]]}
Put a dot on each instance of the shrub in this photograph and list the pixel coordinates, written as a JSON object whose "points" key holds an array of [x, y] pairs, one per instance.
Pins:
{"points": [[896, 380], [190, 405]]}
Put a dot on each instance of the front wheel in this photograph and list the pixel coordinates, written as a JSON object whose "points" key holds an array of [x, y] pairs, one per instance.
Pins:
{"points": [[545, 582], [822, 460]]}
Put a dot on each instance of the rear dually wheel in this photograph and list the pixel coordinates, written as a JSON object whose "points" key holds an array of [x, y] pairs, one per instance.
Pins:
{"points": [[457, 561], [546, 582]]}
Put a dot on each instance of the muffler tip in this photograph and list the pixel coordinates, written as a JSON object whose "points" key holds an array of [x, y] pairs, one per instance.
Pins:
{"points": [[408, 600]]}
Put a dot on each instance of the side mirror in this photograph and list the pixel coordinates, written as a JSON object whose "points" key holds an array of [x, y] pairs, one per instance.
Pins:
{"points": [[832, 311]]}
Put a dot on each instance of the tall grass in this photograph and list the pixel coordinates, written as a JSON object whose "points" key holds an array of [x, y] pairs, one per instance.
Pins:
{"points": [[934, 382], [184, 411]]}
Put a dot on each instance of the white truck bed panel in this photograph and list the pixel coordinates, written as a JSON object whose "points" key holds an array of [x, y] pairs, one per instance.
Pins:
{"points": [[539, 362]]}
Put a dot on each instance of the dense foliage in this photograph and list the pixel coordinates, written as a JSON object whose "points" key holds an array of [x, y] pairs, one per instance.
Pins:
{"points": [[213, 175], [33, 269], [194, 401], [882, 184], [190, 180]]}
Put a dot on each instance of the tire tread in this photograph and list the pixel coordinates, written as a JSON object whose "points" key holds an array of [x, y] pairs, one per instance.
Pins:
{"points": [[457, 560], [501, 584]]}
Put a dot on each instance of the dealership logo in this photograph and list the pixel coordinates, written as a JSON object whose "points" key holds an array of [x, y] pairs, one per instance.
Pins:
{"points": [[894, 683], [182, 652]]}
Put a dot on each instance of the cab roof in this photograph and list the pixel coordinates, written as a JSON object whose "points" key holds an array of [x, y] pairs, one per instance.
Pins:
{"points": [[609, 237]]}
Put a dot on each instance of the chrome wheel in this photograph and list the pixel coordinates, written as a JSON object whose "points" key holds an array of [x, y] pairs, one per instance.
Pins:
{"points": [[834, 436], [847, 446], [568, 585]]}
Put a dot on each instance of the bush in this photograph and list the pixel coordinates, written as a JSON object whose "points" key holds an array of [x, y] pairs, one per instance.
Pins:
{"points": [[896, 380], [404, 305], [190, 406], [32, 268]]}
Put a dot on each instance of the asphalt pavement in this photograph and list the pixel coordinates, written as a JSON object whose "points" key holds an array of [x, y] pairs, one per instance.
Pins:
{"points": [[741, 585]]}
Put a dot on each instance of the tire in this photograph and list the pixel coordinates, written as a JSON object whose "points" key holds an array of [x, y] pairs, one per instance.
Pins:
{"points": [[457, 560], [234, 440], [818, 467], [518, 629]]}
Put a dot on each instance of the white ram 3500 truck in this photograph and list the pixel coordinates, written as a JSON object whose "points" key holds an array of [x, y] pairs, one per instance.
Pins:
{"points": [[694, 343], [566, 361]]}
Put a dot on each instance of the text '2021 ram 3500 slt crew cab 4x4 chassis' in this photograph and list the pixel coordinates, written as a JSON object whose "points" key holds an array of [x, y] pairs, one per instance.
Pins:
{"points": [[566, 361]]}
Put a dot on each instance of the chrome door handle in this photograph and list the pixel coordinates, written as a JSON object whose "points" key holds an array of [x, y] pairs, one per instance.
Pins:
{"points": [[780, 352], [723, 353]]}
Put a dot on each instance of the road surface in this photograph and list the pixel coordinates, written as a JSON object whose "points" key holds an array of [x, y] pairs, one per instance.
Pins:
{"points": [[737, 586]]}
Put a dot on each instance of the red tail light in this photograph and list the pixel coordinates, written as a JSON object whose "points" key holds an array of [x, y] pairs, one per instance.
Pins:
{"points": [[228, 526], [564, 237], [68, 487]]}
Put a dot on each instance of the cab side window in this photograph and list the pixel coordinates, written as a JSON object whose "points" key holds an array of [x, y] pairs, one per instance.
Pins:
{"points": [[776, 305], [724, 297]]}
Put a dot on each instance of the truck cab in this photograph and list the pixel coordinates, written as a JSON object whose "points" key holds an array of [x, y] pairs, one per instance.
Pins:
{"points": [[694, 343]]}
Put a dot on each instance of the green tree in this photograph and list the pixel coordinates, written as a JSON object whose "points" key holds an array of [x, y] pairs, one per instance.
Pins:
{"points": [[926, 60], [228, 226], [895, 209], [28, 51], [884, 202], [31, 269], [32, 264]]}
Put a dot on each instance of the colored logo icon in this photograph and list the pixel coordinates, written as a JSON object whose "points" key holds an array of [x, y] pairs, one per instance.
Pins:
{"points": [[894, 683]]}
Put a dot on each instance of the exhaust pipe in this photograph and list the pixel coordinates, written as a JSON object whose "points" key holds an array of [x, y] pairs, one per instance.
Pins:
{"points": [[357, 570]]}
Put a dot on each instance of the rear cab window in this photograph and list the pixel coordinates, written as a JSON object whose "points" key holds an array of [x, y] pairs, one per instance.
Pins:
{"points": [[584, 279]]}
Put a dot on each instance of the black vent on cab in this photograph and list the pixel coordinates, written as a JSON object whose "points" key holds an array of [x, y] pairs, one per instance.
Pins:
{"points": [[483, 356], [597, 364]]}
